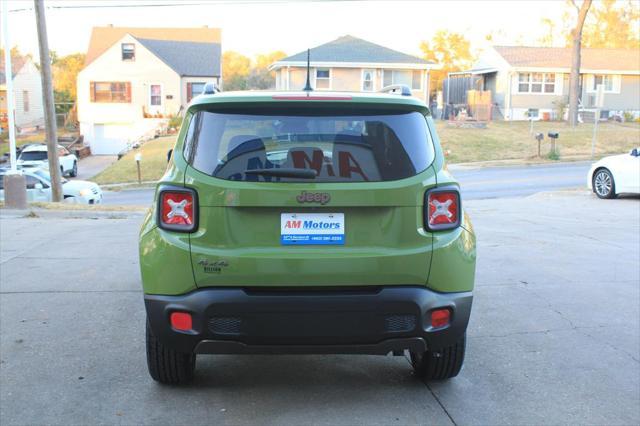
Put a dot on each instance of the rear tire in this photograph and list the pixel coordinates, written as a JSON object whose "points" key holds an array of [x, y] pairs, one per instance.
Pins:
{"points": [[439, 365], [166, 365], [603, 184]]}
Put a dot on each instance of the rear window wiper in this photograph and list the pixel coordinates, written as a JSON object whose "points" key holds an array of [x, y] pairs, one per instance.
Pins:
{"points": [[285, 172]]}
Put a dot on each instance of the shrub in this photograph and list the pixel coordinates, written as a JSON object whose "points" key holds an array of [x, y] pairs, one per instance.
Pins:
{"points": [[628, 117], [175, 121]]}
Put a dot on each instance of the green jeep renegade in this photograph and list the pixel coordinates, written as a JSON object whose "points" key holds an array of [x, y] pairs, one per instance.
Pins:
{"points": [[306, 222]]}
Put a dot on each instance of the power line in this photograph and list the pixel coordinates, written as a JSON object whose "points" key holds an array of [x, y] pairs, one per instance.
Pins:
{"points": [[206, 3]]}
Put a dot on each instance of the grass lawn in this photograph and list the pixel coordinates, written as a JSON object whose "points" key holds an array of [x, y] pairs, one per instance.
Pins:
{"points": [[153, 164], [511, 140], [499, 141]]}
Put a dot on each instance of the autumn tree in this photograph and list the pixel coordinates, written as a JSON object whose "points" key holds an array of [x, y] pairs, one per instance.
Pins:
{"points": [[240, 73], [235, 70], [452, 51], [612, 24], [260, 77], [65, 73]]}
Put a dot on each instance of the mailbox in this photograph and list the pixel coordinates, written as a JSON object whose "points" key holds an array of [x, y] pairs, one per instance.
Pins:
{"points": [[553, 135]]}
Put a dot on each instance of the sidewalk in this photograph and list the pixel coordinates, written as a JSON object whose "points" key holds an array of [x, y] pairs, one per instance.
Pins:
{"points": [[90, 166]]}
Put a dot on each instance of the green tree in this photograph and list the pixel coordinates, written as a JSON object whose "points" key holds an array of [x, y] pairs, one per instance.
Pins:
{"points": [[452, 51]]}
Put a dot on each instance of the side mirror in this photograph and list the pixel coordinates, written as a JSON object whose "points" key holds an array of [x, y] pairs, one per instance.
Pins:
{"points": [[38, 186], [634, 152], [169, 154]]}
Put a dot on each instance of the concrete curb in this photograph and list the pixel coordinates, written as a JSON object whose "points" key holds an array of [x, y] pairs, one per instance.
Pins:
{"points": [[38, 213]]}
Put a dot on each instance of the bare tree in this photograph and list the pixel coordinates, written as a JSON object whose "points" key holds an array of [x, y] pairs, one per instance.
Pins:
{"points": [[576, 39]]}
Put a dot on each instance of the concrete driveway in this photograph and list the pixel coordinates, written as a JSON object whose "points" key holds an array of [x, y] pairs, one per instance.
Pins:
{"points": [[554, 335]]}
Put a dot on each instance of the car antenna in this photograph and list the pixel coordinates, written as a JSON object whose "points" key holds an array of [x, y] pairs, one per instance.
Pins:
{"points": [[307, 87]]}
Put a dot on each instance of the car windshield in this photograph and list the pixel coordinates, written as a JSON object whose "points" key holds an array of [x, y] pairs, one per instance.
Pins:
{"points": [[33, 155], [281, 147]]}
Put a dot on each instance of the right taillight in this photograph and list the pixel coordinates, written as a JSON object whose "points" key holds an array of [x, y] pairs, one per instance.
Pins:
{"points": [[442, 209], [178, 209]]}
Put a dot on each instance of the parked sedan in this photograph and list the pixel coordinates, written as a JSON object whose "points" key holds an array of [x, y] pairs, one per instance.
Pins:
{"points": [[36, 155], [39, 188], [617, 174]]}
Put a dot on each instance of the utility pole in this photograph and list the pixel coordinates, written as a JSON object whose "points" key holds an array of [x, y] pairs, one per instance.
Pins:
{"points": [[49, 109], [15, 186]]}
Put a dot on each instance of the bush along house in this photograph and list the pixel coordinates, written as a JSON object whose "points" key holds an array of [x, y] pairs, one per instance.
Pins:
{"points": [[135, 79]]}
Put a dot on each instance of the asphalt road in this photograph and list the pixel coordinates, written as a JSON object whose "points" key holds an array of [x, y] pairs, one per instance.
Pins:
{"points": [[554, 336], [477, 183]]}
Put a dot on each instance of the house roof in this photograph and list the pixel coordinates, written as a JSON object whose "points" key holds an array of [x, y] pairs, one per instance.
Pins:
{"points": [[351, 49], [560, 57], [187, 58], [17, 62], [104, 37]]}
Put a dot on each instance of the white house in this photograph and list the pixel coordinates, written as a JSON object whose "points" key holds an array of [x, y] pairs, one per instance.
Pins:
{"points": [[136, 78], [533, 82], [355, 65], [27, 88]]}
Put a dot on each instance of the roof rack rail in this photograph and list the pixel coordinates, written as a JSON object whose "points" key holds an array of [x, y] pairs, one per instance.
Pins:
{"points": [[210, 89], [397, 89]]}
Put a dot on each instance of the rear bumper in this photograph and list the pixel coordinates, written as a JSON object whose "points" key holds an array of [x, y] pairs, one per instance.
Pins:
{"points": [[366, 321]]}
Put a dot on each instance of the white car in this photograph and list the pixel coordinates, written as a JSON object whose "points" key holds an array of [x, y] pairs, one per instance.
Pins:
{"points": [[39, 188], [617, 174], [36, 156]]}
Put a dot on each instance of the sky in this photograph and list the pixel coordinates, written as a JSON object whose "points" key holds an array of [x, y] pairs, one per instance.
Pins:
{"points": [[253, 26]]}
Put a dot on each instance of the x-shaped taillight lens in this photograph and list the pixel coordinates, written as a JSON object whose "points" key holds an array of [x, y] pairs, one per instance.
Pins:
{"points": [[177, 210], [442, 209]]}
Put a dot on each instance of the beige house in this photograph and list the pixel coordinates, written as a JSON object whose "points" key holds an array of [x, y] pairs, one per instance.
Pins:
{"points": [[354, 65], [534, 81], [136, 78], [27, 89]]}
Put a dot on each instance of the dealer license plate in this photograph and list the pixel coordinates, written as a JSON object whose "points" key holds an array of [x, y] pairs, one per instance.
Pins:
{"points": [[312, 228]]}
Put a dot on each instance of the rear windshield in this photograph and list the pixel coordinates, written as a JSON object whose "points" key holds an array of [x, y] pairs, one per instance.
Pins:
{"points": [[319, 147], [33, 155]]}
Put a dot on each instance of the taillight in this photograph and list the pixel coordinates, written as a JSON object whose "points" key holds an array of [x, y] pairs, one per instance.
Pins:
{"points": [[178, 209], [442, 209]]}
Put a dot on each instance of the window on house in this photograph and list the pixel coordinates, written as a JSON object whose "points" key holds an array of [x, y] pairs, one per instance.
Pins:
{"points": [[110, 91], [323, 78], [194, 89], [416, 81], [25, 100], [128, 51], [155, 95], [604, 79], [406, 77], [536, 82], [387, 77], [367, 80]]}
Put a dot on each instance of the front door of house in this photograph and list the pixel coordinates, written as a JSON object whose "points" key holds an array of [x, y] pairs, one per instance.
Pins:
{"points": [[155, 99]]}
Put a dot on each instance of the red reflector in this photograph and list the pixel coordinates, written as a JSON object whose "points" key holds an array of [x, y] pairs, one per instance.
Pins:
{"points": [[443, 208], [177, 208], [181, 321], [440, 317]]}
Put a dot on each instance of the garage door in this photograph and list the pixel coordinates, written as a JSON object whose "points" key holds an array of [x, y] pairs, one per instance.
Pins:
{"points": [[109, 139]]}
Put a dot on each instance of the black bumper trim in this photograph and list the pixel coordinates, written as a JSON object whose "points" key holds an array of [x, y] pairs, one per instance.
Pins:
{"points": [[235, 320], [223, 347]]}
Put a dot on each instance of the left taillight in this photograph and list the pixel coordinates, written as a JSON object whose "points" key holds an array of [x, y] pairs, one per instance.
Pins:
{"points": [[178, 209], [442, 209]]}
